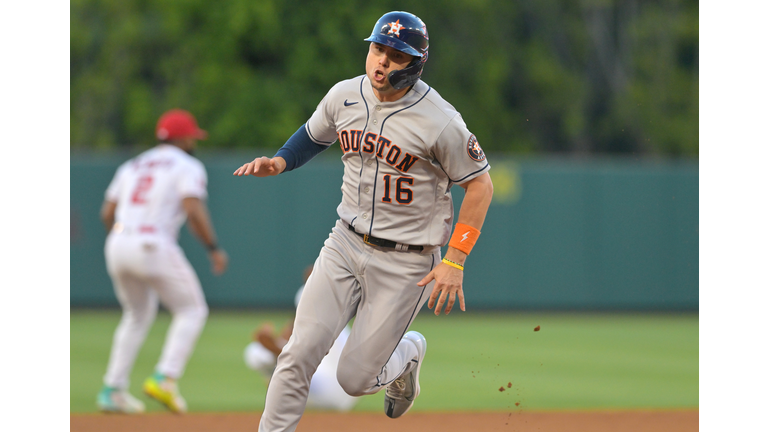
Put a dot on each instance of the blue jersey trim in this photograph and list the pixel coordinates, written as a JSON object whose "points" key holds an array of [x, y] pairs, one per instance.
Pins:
{"points": [[315, 139], [469, 175], [360, 143]]}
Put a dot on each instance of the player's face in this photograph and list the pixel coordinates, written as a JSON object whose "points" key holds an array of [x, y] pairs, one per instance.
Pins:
{"points": [[188, 145], [380, 62]]}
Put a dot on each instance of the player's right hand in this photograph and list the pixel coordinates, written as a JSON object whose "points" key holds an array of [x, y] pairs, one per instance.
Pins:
{"points": [[448, 286], [262, 167]]}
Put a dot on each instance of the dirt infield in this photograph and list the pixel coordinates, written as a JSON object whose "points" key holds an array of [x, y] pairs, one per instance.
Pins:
{"points": [[598, 421]]}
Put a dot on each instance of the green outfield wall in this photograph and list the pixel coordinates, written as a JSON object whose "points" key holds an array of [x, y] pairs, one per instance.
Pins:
{"points": [[560, 234]]}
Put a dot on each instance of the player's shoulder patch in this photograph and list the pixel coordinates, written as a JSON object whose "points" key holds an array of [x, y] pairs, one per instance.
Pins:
{"points": [[474, 150]]}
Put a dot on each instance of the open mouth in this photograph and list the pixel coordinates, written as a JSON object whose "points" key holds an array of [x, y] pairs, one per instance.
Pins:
{"points": [[379, 75]]}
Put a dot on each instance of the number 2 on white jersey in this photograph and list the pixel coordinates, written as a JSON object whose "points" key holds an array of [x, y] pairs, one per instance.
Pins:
{"points": [[139, 195]]}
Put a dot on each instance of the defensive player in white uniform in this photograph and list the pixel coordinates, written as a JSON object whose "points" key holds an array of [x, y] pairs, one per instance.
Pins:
{"points": [[404, 147], [145, 205], [325, 392]]}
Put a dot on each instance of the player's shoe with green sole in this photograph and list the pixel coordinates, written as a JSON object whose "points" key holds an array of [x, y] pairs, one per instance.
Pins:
{"points": [[401, 393], [165, 391], [113, 400]]}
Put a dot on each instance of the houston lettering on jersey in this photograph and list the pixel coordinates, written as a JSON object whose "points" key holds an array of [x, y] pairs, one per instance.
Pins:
{"points": [[350, 141]]}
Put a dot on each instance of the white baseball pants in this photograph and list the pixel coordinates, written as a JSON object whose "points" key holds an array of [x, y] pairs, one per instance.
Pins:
{"points": [[147, 269]]}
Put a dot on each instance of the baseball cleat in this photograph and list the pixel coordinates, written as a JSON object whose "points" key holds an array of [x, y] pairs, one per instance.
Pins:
{"points": [[112, 400], [165, 391], [401, 393]]}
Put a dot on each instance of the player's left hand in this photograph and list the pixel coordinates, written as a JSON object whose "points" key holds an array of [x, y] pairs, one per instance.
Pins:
{"points": [[265, 335], [266, 330], [448, 285], [262, 167], [219, 261]]}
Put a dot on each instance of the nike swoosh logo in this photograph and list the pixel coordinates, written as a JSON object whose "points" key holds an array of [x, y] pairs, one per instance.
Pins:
{"points": [[348, 103]]}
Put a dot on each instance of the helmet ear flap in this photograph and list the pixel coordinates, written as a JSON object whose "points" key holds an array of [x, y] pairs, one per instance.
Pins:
{"points": [[406, 77]]}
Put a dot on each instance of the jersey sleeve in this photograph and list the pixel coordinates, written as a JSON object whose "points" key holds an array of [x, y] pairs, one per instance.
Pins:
{"points": [[321, 126], [459, 153], [192, 181], [113, 190]]}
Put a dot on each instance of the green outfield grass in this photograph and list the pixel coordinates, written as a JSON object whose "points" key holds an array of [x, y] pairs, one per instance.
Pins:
{"points": [[576, 361]]}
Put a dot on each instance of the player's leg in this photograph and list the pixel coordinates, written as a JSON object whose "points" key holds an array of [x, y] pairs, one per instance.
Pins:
{"points": [[139, 305], [377, 353], [327, 304], [180, 292], [325, 392], [402, 392], [260, 359]]}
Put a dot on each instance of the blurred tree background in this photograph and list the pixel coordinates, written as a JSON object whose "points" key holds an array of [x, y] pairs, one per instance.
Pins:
{"points": [[580, 77]]}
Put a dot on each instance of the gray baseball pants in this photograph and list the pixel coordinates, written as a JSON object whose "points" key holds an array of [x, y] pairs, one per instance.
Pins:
{"points": [[377, 287]]}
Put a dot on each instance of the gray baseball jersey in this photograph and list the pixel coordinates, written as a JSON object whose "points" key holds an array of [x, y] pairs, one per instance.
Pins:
{"points": [[400, 159]]}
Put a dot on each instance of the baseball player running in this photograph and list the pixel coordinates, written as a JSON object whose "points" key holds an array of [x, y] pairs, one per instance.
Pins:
{"points": [[404, 147], [145, 205], [325, 392]]}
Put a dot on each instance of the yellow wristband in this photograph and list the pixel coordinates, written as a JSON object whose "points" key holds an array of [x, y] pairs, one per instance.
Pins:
{"points": [[453, 264]]}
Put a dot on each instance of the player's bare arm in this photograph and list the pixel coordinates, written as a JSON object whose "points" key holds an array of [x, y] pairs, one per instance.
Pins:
{"points": [[449, 279], [270, 339], [107, 214], [200, 224]]}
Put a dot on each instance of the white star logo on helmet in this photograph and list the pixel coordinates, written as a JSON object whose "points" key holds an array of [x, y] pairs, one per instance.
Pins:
{"points": [[395, 28]]}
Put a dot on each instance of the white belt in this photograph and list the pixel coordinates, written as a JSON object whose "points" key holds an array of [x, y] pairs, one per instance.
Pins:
{"points": [[138, 229]]}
